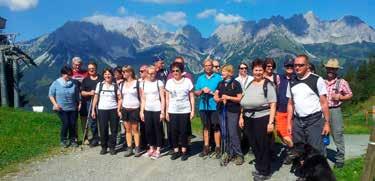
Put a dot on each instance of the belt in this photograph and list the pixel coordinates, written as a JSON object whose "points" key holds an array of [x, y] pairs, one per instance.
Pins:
{"points": [[333, 107], [310, 115]]}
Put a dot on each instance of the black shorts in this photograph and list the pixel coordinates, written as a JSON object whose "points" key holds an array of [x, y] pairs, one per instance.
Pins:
{"points": [[130, 115], [209, 118]]}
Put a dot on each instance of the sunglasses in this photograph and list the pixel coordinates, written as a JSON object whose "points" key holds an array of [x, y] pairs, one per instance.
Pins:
{"points": [[243, 68], [269, 66], [176, 70], [299, 65], [141, 71], [216, 66]]}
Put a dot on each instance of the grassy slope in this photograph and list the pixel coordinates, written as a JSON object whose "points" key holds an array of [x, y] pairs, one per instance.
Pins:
{"points": [[354, 117], [25, 135], [352, 170]]}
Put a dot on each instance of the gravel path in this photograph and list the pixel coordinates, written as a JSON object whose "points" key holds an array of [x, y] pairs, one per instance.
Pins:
{"points": [[87, 164]]}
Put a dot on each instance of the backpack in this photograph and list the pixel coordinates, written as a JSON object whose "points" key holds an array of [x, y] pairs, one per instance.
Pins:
{"points": [[311, 81], [157, 85], [265, 87], [137, 87], [101, 89]]}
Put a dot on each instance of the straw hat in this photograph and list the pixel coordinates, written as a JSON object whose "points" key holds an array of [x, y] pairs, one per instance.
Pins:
{"points": [[333, 63]]}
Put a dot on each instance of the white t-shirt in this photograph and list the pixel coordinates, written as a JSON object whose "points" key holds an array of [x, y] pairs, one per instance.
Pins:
{"points": [[107, 97], [244, 81], [152, 95], [306, 101], [179, 101], [130, 95]]}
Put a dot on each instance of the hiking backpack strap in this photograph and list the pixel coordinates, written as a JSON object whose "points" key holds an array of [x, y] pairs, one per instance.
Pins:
{"points": [[115, 90], [337, 86], [137, 87]]}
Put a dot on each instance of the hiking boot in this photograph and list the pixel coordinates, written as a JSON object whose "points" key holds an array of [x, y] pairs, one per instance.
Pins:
{"points": [[155, 155], [217, 153], [112, 151], [238, 160], [128, 152], [175, 155], [74, 144], [339, 165], [184, 156], [204, 152], [103, 151], [93, 143], [137, 152], [64, 144]]}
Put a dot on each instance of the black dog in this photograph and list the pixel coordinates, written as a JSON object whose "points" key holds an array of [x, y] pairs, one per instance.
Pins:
{"points": [[310, 165]]}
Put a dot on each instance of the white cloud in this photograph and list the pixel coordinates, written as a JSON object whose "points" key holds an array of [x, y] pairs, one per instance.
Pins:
{"points": [[164, 1], [206, 13], [19, 5], [121, 10], [222, 18], [177, 18], [114, 23]]}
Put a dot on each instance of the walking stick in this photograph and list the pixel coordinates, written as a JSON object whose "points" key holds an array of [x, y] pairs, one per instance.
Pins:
{"points": [[87, 121], [224, 133]]}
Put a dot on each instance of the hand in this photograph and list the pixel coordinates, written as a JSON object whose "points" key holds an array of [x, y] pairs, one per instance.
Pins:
{"points": [[270, 128], [92, 93], [206, 90], [336, 97], [79, 106], [93, 114], [142, 116], [162, 116], [167, 117], [191, 115], [57, 107], [241, 122], [326, 128]]}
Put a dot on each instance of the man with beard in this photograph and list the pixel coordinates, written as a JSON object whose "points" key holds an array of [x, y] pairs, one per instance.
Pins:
{"points": [[338, 91]]}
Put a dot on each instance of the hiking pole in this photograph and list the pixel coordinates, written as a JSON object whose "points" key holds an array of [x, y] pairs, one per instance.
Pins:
{"points": [[224, 142], [87, 122]]}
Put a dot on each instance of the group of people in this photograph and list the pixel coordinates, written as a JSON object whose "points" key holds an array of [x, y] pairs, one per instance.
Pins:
{"points": [[298, 105]]}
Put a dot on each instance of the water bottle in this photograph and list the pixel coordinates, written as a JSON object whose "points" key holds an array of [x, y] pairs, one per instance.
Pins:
{"points": [[326, 140]]}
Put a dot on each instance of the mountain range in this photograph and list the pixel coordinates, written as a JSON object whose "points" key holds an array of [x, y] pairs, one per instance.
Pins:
{"points": [[113, 41]]}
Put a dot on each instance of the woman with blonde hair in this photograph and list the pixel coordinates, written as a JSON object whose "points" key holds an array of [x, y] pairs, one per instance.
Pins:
{"points": [[130, 93]]}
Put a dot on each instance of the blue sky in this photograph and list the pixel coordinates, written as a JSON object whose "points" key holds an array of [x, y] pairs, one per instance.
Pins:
{"points": [[32, 18]]}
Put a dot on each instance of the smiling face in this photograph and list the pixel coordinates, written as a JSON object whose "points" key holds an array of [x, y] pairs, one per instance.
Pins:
{"points": [[269, 68], [215, 66], [258, 72], [289, 69], [76, 66], [143, 72], [151, 74], [300, 66], [177, 74], [91, 69], [107, 76]]}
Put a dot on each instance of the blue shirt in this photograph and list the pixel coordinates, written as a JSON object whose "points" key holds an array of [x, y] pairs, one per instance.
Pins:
{"points": [[211, 83], [66, 94]]}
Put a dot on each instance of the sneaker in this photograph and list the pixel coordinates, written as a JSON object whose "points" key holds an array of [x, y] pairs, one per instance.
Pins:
{"points": [[103, 151], [155, 155], [64, 144], [184, 156], [128, 152], [175, 155], [259, 177], [217, 153], [339, 165], [137, 152], [170, 152], [74, 144], [238, 160], [204, 152], [94, 143], [149, 153], [112, 151]]}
